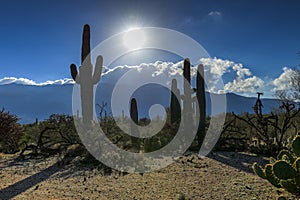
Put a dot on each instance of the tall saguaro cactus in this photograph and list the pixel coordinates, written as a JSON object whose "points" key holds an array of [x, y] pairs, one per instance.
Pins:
{"points": [[200, 94], [175, 109], [134, 125], [187, 97], [188, 101], [87, 78]]}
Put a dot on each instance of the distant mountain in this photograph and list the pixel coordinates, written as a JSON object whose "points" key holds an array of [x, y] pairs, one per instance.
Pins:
{"points": [[29, 102]]}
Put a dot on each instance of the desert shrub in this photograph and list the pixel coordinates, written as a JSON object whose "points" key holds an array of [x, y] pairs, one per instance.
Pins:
{"points": [[10, 132], [49, 136], [161, 139], [152, 144], [30, 133], [235, 135], [61, 128]]}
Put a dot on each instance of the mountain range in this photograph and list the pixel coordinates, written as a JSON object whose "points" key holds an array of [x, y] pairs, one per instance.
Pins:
{"points": [[29, 102]]}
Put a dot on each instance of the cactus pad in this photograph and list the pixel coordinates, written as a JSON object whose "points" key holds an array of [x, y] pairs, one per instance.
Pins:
{"points": [[290, 186], [259, 170], [284, 170], [296, 146], [271, 177]]}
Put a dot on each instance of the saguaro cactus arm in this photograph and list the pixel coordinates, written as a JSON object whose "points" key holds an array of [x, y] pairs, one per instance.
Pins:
{"points": [[85, 48], [98, 70], [74, 73]]}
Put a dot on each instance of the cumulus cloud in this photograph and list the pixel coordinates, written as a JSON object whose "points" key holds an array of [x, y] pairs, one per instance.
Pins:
{"points": [[251, 84], [215, 68], [25, 81], [243, 82], [283, 82]]}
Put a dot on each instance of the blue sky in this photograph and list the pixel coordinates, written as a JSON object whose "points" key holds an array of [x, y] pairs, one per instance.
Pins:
{"points": [[40, 39]]}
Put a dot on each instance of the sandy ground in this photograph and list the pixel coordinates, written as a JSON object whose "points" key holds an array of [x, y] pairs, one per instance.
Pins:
{"points": [[221, 175]]}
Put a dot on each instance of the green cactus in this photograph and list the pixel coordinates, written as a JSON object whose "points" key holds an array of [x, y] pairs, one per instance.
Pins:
{"points": [[200, 94], [175, 108], [296, 164], [135, 118], [86, 77], [259, 171], [290, 186], [272, 160], [285, 171], [270, 176], [286, 155], [296, 146]]}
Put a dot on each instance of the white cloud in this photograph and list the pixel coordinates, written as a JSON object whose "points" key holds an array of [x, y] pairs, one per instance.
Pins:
{"points": [[283, 82], [215, 68], [215, 13], [243, 82], [248, 85], [25, 81], [239, 79]]}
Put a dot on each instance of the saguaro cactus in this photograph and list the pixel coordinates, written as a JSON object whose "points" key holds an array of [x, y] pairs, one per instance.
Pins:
{"points": [[134, 125], [175, 109], [200, 94], [187, 97], [86, 77], [188, 100]]}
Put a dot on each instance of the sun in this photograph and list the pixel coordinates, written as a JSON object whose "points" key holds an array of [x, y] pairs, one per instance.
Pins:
{"points": [[134, 38]]}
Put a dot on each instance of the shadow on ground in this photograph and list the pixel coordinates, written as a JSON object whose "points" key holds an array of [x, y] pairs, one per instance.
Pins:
{"points": [[240, 161], [65, 168], [23, 185]]}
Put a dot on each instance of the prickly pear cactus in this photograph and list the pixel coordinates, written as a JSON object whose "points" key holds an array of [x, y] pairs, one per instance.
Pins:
{"points": [[283, 172]]}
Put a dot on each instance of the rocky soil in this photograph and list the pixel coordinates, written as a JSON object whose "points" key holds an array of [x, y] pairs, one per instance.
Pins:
{"points": [[221, 175]]}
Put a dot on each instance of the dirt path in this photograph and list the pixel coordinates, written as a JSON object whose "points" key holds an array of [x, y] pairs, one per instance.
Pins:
{"points": [[221, 175]]}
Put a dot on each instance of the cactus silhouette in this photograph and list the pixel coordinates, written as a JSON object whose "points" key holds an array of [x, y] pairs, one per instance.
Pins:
{"points": [[86, 77], [200, 94], [175, 109], [285, 171], [187, 97], [189, 101], [134, 125]]}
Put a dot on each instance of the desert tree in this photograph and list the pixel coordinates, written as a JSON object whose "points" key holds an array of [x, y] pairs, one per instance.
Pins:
{"points": [[10, 132]]}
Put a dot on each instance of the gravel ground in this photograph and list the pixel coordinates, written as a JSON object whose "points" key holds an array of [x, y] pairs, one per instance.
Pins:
{"points": [[221, 175]]}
